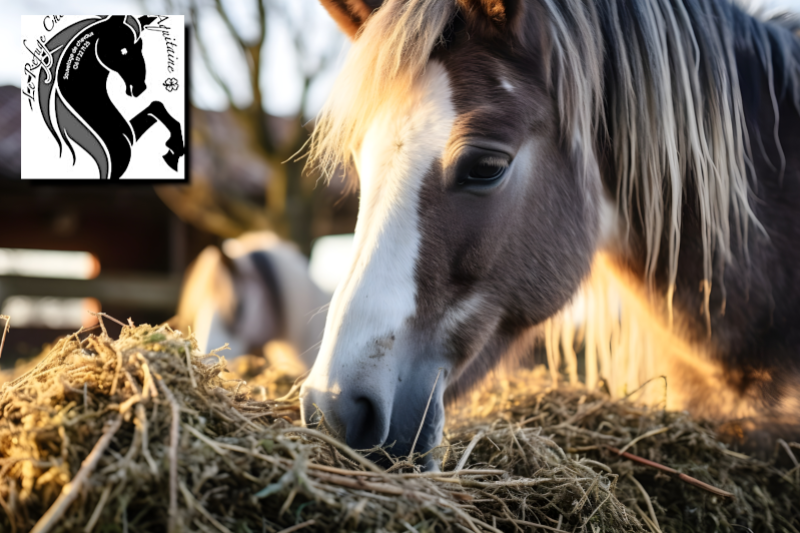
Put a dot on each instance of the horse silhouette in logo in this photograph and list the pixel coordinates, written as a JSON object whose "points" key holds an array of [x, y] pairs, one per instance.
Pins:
{"points": [[84, 55]]}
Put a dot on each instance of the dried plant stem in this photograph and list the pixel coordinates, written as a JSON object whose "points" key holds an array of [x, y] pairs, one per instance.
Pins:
{"points": [[789, 452], [192, 502], [454, 473], [298, 527], [642, 437], [111, 318], [463, 461], [424, 414], [646, 519], [346, 450], [71, 490], [6, 320], [738, 455], [11, 517], [593, 512], [501, 502], [358, 483], [522, 482], [211, 443], [174, 436], [648, 502], [121, 323], [465, 517], [141, 417], [534, 525], [189, 365], [220, 448], [99, 317], [98, 510], [116, 370], [148, 387], [671, 471]]}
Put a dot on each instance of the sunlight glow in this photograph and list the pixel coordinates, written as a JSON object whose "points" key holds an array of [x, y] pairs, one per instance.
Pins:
{"points": [[49, 312], [330, 259], [48, 264]]}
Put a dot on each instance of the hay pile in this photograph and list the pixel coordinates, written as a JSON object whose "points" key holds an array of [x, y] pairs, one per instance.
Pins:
{"points": [[143, 433], [766, 497]]}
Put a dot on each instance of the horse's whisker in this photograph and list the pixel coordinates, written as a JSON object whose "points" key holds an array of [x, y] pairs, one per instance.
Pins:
{"points": [[424, 414]]}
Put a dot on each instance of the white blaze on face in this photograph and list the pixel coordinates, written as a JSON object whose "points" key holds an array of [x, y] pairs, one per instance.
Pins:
{"points": [[379, 293]]}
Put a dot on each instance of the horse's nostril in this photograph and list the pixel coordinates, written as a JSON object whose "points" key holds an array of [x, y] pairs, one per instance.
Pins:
{"points": [[365, 424]]}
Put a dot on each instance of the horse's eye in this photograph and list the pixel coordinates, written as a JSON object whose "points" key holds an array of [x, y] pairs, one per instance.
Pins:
{"points": [[124, 51], [487, 169], [479, 169]]}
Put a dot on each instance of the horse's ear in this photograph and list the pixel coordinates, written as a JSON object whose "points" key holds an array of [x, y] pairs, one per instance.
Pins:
{"points": [[350, 15], [503, 14], [145, 20]]}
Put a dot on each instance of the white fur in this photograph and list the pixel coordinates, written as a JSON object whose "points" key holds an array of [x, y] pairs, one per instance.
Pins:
{"points": [[505, 84], [210, 293], [379, 293], [303, 302], [461, 313]]}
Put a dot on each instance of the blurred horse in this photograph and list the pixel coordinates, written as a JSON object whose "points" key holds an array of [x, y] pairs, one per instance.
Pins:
{"points": [[255, 290], [501, 144]]}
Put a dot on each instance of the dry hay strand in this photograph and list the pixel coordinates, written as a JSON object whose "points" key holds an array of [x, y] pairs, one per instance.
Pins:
{"points": [[143, 433], [587, 426]]}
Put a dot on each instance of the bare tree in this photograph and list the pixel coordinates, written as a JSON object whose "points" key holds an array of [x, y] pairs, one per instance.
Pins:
{"points": [[289, 192]]}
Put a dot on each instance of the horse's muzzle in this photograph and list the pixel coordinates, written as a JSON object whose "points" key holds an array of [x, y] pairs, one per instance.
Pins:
{"points": [[389, 415], [130, 90]]}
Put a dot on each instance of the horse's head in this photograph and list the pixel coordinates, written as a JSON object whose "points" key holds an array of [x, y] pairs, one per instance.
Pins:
{"points": [[237, 295], [119, 49], [479, 215]]}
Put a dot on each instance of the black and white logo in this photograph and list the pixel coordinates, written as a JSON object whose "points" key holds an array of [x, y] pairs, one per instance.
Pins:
{"points": [[103, 97]]}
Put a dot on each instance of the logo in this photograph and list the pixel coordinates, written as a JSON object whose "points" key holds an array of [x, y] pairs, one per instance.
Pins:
{"points": [[103, 98]]}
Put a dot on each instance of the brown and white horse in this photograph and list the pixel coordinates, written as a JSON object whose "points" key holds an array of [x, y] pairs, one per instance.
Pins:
{"points": [[254, 290], [502, 144]]}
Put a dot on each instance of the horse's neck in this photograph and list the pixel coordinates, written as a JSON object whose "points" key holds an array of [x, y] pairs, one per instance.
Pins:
{"points": [[86, 92]]}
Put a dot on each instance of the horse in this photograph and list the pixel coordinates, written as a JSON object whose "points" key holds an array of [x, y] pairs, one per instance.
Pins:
{"points": [[73, 85], [504, 147], [255, 290]]}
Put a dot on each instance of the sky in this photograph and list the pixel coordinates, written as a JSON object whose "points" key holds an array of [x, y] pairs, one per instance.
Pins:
{"points": [[281, 81]]}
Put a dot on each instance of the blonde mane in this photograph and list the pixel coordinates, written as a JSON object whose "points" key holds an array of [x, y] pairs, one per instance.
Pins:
{"points": [[389, 53]]}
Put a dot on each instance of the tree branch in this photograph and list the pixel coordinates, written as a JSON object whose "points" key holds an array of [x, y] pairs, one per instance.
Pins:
{"points": [[207, 60]]}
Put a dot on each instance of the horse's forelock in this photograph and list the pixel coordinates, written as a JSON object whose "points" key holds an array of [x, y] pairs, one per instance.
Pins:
{"points": [[391, 51]]}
